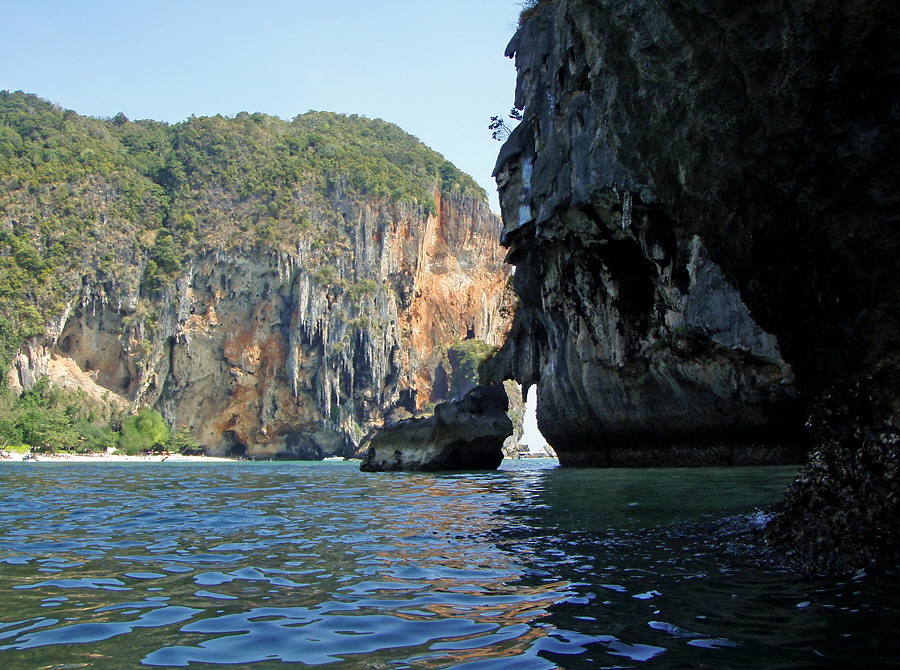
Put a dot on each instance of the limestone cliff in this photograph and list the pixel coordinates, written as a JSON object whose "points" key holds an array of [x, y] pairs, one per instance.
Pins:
{"points": [[278, 318], [260, 356], [642, 350], [701, 203]]}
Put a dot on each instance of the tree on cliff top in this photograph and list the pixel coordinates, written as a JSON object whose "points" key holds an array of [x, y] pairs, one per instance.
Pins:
{"points": [[528, 7]]}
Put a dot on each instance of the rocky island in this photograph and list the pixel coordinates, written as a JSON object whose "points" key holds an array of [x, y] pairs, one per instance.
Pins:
{"points": [[701, 203]]}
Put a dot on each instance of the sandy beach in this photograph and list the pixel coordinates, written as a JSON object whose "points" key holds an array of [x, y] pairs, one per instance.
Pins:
{"points": [[108, 458]]}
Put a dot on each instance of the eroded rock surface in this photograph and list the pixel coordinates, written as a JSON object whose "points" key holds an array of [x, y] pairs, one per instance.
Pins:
{"points": [[466, 434], [266, 353], [702, 206], [643, 351]]}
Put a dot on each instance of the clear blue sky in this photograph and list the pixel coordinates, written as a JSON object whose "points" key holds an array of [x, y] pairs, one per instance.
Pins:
{"points": [[434, 68]]}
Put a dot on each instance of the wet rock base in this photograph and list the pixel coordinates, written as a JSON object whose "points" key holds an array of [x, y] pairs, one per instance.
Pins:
{"points": [[466, 434]]}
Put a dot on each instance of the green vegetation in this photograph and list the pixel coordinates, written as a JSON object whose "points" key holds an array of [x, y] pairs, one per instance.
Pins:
{"points": [[95, 199], [143, 432], [183, 442], [361, 288], [48, 419]]}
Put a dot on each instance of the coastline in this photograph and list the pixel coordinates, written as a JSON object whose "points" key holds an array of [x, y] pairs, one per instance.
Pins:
{"points": [[108, 458]]}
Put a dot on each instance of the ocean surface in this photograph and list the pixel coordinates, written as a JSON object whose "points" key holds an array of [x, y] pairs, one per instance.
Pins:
{"points": [[272, 565]]}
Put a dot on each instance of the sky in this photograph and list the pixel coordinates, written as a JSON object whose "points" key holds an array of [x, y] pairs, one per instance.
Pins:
{"points": [[434, 68]]}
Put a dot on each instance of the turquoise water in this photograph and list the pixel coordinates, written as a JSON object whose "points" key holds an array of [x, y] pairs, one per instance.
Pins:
{"points": [[265, 565]]}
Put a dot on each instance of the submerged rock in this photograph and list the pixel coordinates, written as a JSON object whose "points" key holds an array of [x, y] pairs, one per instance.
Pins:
{"points": [[466, 434]]}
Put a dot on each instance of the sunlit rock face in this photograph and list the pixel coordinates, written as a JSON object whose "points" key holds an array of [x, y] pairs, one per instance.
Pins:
{"points": [[701, 203], [297, 354]]}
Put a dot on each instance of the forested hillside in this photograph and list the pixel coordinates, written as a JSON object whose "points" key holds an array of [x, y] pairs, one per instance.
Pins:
{"points": [[109, 215]]}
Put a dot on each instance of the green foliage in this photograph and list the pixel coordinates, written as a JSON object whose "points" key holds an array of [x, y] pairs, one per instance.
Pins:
{"points": [[69, 192], [361, 288], [94, 437], [164, 262], [10, 341], [253, 162], [142, 432], [182, 441], [48, 429], [47, 418], [466, 357], [327, 276]]}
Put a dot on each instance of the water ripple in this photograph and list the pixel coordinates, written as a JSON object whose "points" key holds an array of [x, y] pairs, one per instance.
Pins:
{"points": [[168, 565]]}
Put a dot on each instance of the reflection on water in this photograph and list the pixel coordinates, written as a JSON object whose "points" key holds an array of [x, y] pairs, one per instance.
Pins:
{"points": [[169, 565]]}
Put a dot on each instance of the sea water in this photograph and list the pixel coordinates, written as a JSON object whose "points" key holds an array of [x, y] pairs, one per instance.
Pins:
{"points": [[263, 565]]}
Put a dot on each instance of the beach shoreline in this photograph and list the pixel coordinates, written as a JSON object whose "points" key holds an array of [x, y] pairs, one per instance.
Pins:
{"points": [[109, 458]]}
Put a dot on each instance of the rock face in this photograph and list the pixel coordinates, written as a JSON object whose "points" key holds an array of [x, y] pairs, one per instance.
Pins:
{"points": [[272, 354], [516, 413], [642, 350], [466, 434], [701, 202], [279, 288], [263, 354]]}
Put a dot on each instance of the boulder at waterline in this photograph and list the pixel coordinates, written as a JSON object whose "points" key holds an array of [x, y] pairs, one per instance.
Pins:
{"points": [[466, 434]]}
